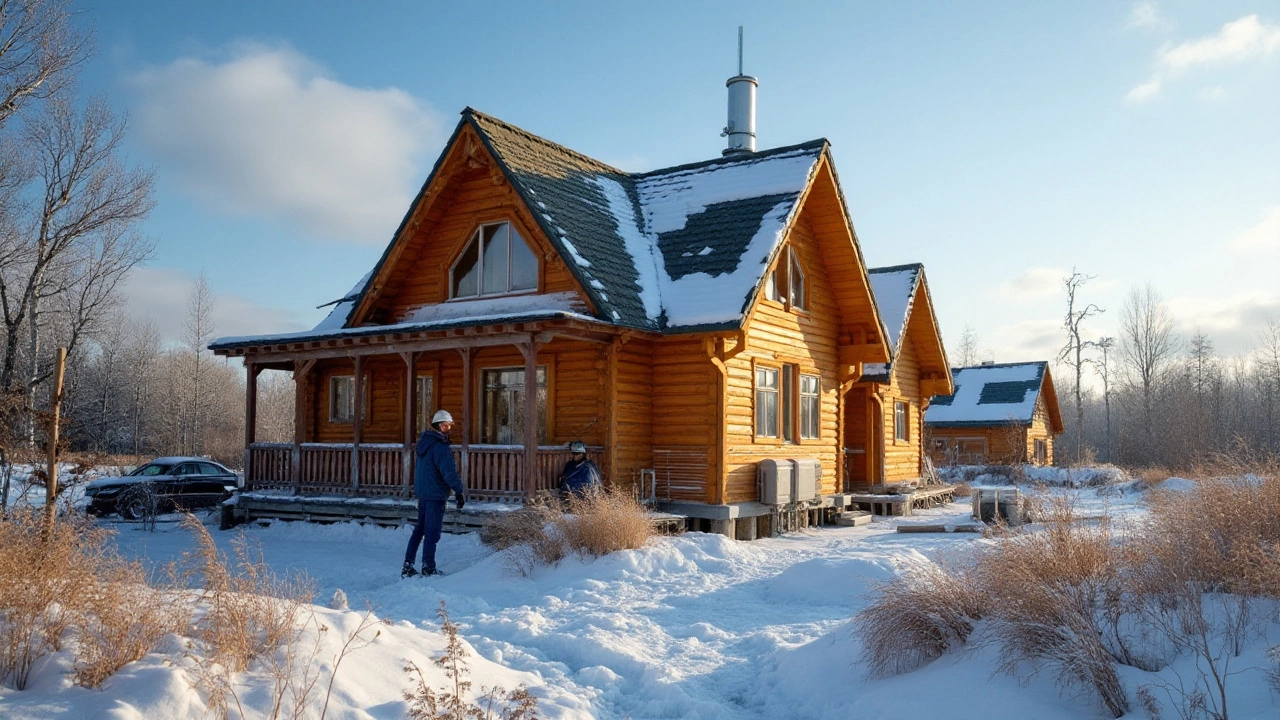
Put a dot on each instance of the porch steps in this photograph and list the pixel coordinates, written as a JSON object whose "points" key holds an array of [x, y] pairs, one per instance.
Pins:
{"points": [[853, 518]]}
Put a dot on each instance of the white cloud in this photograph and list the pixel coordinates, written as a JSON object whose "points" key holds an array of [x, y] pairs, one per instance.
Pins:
{"points": [[1036, 282], [160, 294], [266, 132], [1237, 41], [1028, 340], [1144, 14], [1233, 323], [1263, 236]]}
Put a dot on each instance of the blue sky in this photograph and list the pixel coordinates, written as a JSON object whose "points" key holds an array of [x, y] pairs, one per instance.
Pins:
{"points": [[1000, 143]]}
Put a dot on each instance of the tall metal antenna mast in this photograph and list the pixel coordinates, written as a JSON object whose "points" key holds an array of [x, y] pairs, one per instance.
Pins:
{"points": [[739, 49]]}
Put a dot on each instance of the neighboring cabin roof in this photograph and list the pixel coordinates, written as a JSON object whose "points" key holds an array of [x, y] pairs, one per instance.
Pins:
{"points": [[680, 249], [994, 395]]}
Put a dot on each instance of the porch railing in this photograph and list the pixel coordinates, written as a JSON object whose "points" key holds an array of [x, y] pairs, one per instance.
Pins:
{"points": [[490, 472]]}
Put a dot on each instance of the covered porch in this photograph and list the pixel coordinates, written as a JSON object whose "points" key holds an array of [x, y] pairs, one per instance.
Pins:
{"points": [[498, 381]]}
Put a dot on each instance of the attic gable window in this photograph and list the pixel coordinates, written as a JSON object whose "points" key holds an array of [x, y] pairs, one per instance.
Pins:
{"points": [[786, 284], [496, 261]]}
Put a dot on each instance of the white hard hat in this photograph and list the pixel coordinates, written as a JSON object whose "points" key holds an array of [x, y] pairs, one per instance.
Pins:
{"points": [[441, 416]]}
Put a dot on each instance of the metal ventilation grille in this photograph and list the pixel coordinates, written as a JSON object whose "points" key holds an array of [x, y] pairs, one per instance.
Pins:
{"points": [[681, 472]]}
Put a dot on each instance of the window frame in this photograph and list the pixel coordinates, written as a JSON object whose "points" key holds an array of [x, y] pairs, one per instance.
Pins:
{"points": [[334, 419], [780, 285], [756, 402], [548, 414], [476, 238], [901, 421], [815, 399], [1040, 450], [967, 458], [426, 400]]}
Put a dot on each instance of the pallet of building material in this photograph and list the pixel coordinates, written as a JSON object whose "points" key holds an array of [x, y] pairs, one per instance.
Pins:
{"points": [[941, 528]]}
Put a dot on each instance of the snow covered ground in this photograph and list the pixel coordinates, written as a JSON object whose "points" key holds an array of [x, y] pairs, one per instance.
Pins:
{"points": [[695, 626]]}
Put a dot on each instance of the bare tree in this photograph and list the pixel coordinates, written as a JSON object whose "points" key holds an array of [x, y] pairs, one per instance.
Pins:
{"points": [[967, 353], [71, 239], [1268, 355], [142, 350], [1103, 368], [1147, 348], [198, 329], [39, 48], [1072, 354]]}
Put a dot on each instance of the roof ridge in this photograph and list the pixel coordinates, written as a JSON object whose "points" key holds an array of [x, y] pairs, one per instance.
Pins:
{"points": [[745, 157], [470, 112], [1001, 365], [897, 268]]}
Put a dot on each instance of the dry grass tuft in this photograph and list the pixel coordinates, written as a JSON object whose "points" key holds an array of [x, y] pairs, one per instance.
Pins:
{"points": [[121, 619], [917, 617], [603, 521], [963, 490]]}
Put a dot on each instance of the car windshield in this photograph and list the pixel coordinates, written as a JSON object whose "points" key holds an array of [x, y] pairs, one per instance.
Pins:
{"points": [[151, 469]]}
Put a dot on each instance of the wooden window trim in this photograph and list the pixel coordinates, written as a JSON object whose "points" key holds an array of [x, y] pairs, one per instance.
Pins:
{"points": [[477, 396], [905, 439], [540, 254], [800, 405], [368, 397], [755, 417], [427, 409], [780, 275]]}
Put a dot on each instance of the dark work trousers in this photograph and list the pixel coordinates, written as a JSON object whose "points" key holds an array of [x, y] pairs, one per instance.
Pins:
{"points": [[427, 532]]}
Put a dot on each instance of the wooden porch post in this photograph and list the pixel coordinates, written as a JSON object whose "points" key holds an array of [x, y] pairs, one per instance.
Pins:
{"points": [[410, 418], [301, 403], [467, 401], [530, 352], [357, 423], [250, 416]]}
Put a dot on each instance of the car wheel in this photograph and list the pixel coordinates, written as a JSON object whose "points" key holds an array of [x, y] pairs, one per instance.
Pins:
{"points": [[136, 504]]}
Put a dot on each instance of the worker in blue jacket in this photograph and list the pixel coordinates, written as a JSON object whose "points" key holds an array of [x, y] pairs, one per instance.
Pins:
{"points": [[580, 476], [434, 475]]}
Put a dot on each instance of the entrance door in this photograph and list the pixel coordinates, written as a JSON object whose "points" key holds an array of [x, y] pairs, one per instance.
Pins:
{"points": [[862, 441]]}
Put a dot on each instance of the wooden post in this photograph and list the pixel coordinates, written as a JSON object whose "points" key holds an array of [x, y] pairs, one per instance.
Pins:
{"points": [[467, 402], [410, 418], [611, 414], [530, 351], [51, 485], [250, 416], [357, 423], [301, 403]]}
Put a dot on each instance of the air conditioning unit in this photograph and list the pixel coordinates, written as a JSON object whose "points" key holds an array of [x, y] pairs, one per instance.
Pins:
{"points": [[775, 479], [804, 481]]}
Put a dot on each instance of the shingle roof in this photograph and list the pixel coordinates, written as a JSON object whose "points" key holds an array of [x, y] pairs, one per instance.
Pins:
{"points": [[680, 249], [988, 395], [894, 289]]}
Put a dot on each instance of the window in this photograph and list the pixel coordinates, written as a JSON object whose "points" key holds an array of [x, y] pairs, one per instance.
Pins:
{"points": [[901, 421], [766, 402], [342, 398], [502, 413], [788, 402], [425, 389], [1042, 452], [786, 284], [795, 284], [496, 261], [809, 405], [971, 451]]}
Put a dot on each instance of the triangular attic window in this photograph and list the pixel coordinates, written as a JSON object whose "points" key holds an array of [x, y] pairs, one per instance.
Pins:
{"points": [[496, 261]]}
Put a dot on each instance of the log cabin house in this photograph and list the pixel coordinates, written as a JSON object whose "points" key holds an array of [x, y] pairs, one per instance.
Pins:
{"points": [[999, 414], [884, 412], [685, 323]]}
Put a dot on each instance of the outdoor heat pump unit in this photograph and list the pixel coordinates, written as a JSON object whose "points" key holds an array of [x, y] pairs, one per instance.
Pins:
{"points": [[783, 482]]}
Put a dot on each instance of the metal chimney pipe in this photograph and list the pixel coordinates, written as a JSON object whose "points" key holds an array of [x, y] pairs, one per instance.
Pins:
{"points": [[741, 129]]}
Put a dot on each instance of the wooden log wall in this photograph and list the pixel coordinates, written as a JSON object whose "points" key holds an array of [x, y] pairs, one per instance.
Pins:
{"points": [[631, 407], [902, 457], [684, 412], [777, 336]]}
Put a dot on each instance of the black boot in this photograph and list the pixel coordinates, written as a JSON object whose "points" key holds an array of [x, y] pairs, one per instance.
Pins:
{"points": [[431, 571], [408, 571]]}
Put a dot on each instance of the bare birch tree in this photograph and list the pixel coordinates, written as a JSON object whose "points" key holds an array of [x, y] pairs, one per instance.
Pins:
{"points": [[1147, 348], [1072, 354], [198, 329], [39, 49]]}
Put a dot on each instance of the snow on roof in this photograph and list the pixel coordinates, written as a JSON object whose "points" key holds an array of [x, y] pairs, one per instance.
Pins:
{"points": [[894, 289], [337, 317], [988, 394]]}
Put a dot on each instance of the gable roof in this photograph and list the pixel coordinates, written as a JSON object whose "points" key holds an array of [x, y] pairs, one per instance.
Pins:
{"points": [[996, 394], [680, 249], [899, 291]]}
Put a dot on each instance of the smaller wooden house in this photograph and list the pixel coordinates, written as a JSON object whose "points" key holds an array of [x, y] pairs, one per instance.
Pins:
{"points": [[999, 414], [885, 413]]}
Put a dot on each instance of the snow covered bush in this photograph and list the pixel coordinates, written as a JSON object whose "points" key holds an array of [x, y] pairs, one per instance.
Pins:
{"points": [[917, 617], [603, 521]]}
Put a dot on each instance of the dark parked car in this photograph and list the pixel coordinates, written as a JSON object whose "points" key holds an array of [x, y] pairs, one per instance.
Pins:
{"points": [[163, 485]]}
